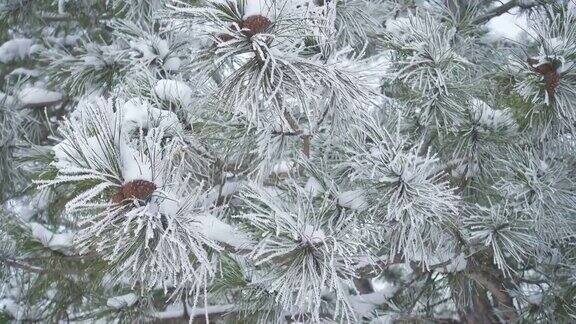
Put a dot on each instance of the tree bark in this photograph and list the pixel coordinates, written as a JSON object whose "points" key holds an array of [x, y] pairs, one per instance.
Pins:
{"points": [[472, 302], [497, 288]]}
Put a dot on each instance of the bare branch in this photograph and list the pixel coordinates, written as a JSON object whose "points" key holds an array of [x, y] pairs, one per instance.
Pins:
{"points": [[503, 9], [21, 265]]}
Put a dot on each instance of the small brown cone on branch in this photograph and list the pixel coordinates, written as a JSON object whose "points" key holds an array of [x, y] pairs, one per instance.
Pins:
{"points": [[550, 74], [255, 24], [223, 38], [552, 82], [136, 189]]}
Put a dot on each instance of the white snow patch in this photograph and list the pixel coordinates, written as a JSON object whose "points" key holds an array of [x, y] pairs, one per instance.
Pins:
{"points": [[313, 187], [156, 50], [36, 48], [177, 310], [255, 7], [492, 119], [140, 114], [353, 199], [174, 91], [365, 304], [217, 230], [25, 72], [387, 288], [38, 97], [57, 242], [313, 235], [172, 63], [282, 167], [123, 301], [230, 187], [14, 49], [535, 299], [385, 319], [398, 25], [135, 166], [20, 207], [9, 306], [510, 25]]}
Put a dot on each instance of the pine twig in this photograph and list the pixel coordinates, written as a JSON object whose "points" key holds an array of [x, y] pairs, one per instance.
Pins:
{"points": [[20, 265], [498, 11], [495, 12], [296, 129]]}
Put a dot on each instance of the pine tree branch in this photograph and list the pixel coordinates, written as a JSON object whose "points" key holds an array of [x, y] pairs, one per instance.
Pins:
{"points": [[495, 12], [296, 128], [498, 11], [69, 18], [291, 121], [194, 313], [306, 144], [298, 133], [20, 265], [472, 305], [499, 292], [87, 256], [215, 312]]}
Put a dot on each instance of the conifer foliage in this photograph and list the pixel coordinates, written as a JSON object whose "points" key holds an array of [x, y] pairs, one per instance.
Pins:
{"points": [[277, 161]]}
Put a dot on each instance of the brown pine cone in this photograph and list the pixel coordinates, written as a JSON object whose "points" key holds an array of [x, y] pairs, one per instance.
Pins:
{"points": [[542, 68], [255, 24], [117, 198], [550, 74], [136, 189], [552, 82]]}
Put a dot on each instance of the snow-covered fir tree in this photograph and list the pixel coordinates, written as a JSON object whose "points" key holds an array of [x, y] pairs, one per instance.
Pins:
{"points": [[278, 161]]}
